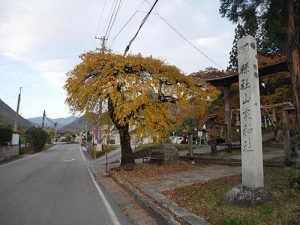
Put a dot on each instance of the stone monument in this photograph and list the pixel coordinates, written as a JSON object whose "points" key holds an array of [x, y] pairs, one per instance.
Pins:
{"points": [[252, 191]]}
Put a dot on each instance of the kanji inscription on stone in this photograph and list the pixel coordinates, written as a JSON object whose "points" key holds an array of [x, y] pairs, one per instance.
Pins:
{"points": [[251, 137]]}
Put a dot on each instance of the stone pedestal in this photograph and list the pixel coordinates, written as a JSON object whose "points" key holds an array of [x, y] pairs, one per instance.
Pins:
{"points": [[243, 196]]}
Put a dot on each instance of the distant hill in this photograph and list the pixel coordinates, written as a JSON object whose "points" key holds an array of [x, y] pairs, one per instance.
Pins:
{"points": [[75, 127], [7, 116], [50, 122]]}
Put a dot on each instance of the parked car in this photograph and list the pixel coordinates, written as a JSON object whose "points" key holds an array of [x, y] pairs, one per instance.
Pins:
{"points": [[183, 140]]}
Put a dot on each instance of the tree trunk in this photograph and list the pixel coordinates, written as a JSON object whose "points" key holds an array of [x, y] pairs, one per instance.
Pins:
{"points": [[127, 155], [190, 144], [292, 50], [126, 150]]}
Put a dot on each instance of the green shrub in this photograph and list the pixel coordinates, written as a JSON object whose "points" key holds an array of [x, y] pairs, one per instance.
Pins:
{"points": [[37, 137], [5, 134], [68, 138]]}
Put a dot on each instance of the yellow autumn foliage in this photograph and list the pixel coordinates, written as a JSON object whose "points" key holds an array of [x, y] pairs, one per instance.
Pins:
{"points": [[135, 90]]}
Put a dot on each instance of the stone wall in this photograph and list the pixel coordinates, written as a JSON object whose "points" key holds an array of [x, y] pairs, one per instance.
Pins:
{"points": [[169, 151], [7, 152]]}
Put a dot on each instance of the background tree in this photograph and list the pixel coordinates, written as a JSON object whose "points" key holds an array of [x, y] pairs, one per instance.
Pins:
{"points": [[275, 24], [5, 134], [135, 90], [37, 137]]}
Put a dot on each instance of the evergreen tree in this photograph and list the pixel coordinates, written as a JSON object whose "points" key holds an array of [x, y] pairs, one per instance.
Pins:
{"points": [[275, 25]]}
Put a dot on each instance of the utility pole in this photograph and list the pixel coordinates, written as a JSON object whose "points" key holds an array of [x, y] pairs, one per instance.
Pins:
{"points": [[103, 44], [44, 115], [17, 113], [55, 130]]}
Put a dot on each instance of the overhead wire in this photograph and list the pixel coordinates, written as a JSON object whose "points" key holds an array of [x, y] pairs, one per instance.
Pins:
{"points": [[99, 22], [189, 42], [140, 27], [133, 15], [186, 39], [115, 17], [112, 12]]}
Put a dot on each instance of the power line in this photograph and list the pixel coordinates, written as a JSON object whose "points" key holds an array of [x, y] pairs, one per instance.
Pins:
{"points": [[100, 20], [184, 38], [140, 27], [112, 12], [116, 14], [133, 15], [188, 41]]}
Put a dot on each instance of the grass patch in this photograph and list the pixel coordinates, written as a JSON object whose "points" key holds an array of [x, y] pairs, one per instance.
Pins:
{"points": [[236, 152], [277, 159], [204, 199], [221, 154], [109, 149]]}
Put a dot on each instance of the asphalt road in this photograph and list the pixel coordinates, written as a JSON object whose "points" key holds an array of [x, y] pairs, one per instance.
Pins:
{"points": [[51, 187]]}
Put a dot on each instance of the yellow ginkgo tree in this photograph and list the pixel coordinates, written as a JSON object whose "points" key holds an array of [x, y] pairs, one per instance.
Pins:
{"points": [[135, 90]]}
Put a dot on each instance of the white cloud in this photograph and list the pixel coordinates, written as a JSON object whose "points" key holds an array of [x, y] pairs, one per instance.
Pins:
{"points": [[31, 30], [56, 78]]}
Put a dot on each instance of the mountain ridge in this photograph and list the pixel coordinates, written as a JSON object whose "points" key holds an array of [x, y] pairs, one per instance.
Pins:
{"points": [[7, 116], [49, 122]]}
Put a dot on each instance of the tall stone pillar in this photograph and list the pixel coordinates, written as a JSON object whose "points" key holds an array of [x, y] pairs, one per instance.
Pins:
{"points": [[251, 137], [252, 191]]}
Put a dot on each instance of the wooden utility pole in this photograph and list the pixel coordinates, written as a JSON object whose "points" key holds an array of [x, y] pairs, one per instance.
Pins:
{"points": [[103, 44], [55, 130], [17, 113], [44, 115]]}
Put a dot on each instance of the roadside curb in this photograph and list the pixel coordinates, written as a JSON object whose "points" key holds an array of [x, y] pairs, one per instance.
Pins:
{"points": [[180, 212], [159, 213]]}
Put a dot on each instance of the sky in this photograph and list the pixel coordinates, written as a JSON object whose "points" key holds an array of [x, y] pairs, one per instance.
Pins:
{"points": [[41, 40]]}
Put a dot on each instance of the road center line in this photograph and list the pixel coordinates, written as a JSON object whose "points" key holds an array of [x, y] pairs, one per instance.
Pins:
{"points": [[106, 204]]}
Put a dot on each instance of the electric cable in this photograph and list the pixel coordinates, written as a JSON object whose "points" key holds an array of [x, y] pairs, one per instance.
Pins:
{"points": [[133, 15], [184, 38], [99, 22], [188, 41], [115, 17], [140, 27], [112, 12]]}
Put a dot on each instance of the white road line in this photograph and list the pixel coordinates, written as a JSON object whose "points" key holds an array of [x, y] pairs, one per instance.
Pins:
{"points": [[106, 204]]}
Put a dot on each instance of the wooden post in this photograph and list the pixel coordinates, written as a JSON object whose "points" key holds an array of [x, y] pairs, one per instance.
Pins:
{"points": [[190, 138], [287, 147], [228, 118], [212, 132]]}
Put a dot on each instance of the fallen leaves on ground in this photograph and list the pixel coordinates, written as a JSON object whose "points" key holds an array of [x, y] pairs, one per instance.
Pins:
{"points": [[151, 171]]}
